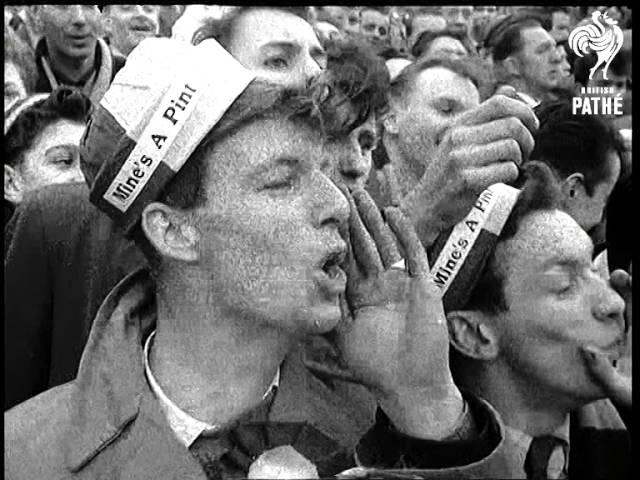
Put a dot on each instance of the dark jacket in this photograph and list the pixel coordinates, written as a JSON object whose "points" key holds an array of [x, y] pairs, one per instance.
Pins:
{"points": [[107, 424], [62, 257]]}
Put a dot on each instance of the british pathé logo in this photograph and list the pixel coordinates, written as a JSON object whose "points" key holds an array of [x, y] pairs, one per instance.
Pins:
{"points": [[603, 37]]}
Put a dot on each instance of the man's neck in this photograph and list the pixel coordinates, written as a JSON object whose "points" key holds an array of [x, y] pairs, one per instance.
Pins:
{"points": [[523, 87], [71, 68], [212, 365], [521, 404]]}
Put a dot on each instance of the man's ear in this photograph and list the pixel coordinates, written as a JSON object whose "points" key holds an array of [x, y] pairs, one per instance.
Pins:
{"points": [[472, 335], [390, 122], [573, 187], [171, 232], [13, 185], [107, 24], [511, 66]]}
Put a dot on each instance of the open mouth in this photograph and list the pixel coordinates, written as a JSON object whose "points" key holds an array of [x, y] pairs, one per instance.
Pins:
{"points": [[331, 265], [331, 279], [141, 28]]}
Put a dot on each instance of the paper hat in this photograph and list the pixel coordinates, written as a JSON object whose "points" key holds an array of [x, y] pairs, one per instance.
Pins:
{"points": [[461, 255], [159, 107]]}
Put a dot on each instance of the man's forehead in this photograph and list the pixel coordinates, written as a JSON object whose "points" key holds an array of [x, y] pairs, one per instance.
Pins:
{"points": [[262, 25], [439, 80], [544, 236], [535, 36], [373, 16], [266, 139]]}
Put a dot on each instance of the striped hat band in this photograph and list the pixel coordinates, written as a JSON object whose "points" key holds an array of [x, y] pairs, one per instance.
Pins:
{"points": [[158, 109]]}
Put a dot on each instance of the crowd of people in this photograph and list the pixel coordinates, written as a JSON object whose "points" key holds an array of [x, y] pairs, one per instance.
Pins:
{"points": [[307, 242]]}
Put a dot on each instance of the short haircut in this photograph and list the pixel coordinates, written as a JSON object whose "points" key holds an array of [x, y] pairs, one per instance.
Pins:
{"points": [[62, 104], [22, 56], [620, 65], [468, 68], [539, 192], [505, 38], [426, 38], [571, 143], [221, 29]]}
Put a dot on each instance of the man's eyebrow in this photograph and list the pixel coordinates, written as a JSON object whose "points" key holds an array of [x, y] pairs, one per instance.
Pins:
{"points": [[567, 261], [286, 161], [282, 45]]}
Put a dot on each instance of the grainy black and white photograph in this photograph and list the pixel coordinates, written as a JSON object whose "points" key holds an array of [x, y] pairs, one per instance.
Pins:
{"points": [[317, 241]]}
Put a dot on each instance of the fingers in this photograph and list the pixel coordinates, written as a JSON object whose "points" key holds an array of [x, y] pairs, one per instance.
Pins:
{"points": [[509, 130], [415, 255], [500, 106], [621, 282], [507, 91], [478, 179], [363, 246], [376, 226], [616, 386], [492, 153]]}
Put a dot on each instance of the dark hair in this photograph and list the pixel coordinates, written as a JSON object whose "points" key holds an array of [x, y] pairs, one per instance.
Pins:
{"points": [[469, 68], [571, 143], [22, 56], [354, 72], [620, 65], [539, 191], [221, 29], [504, 38], [62, 104], [426, 38]]}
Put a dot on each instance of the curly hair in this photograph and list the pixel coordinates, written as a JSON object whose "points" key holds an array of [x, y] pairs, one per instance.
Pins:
{"points": [[221, 29], [62, 104]]}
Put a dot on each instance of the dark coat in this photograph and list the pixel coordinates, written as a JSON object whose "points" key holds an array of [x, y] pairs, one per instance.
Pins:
{"points": [[107, 423], [62, 257]]}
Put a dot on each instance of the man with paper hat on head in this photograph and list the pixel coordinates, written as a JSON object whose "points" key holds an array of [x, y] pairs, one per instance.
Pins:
{"points": [[536, 332], [190, 369], [57, 227]]}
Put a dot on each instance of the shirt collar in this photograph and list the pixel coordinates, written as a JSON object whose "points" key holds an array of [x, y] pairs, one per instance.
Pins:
{"points": [[528, 99], [183, 425]]}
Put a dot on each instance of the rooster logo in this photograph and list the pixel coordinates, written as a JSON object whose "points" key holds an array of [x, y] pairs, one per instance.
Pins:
{"points": [[604, 38]]}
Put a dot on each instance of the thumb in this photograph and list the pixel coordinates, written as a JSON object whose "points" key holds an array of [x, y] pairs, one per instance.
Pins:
{"points": [[616, 386], [507, 91]]}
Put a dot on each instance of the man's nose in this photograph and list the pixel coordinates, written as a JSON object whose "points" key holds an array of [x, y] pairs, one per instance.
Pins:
{"points": [[78, 15], [357, 160], [608, 306], [330, 207]]}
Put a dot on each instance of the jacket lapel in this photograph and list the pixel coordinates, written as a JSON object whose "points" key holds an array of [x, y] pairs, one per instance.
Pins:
{"points": [[152, 451], [110, 377]]}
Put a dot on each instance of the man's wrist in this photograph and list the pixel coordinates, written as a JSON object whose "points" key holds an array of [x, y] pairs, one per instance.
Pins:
{"points": [[432, 413]]}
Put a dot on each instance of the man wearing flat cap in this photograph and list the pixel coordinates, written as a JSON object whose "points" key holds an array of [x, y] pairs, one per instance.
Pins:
{"points": [[190, 367]]}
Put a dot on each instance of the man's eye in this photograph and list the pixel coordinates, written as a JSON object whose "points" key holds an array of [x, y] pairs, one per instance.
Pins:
{"points": [[353, 20], [279, 184], [276, 63]]}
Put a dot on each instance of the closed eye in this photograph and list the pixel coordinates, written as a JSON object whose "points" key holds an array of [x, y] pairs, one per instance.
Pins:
{"points": [[276, 63]]}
